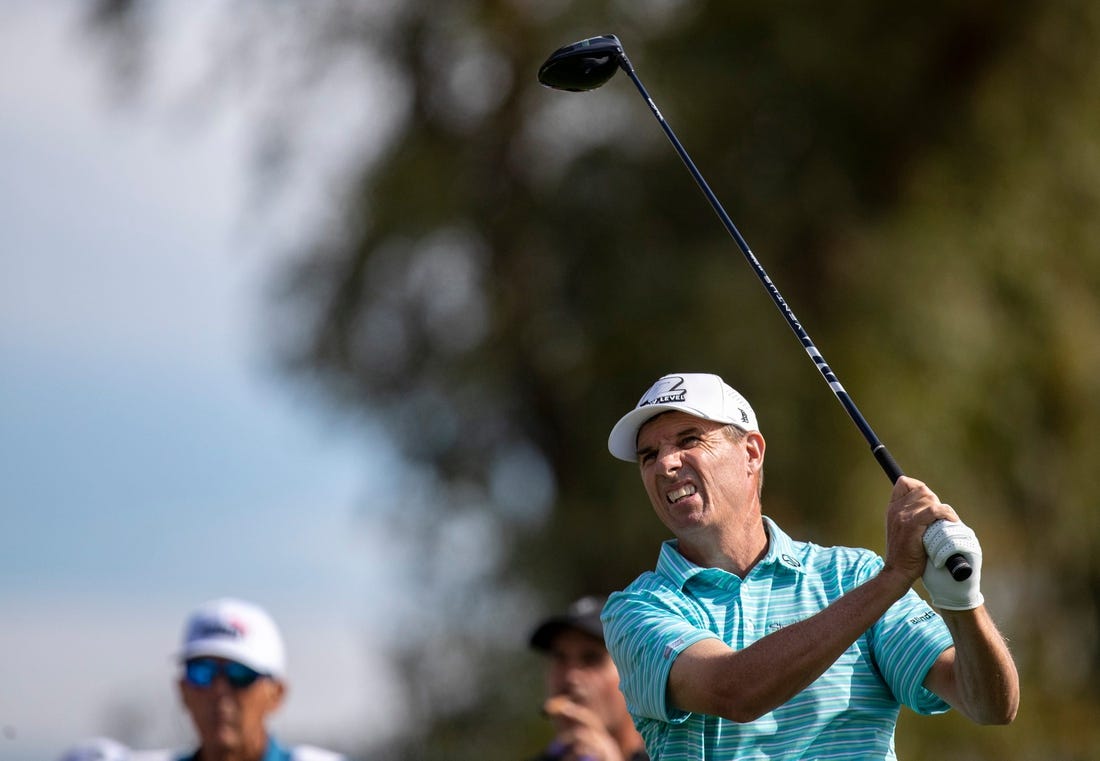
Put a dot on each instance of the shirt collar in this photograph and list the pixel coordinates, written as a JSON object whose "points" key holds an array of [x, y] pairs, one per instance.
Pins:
{"points": [[275, 751], [781, 548], [781, 551]]}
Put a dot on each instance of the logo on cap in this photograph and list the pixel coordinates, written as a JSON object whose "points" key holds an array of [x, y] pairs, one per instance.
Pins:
{"points": [[665, 391], [213, 627]]}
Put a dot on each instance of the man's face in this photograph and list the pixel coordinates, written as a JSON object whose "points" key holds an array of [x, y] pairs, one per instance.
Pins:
{"points": [[581, 669], [696, 475], [231, 718]]}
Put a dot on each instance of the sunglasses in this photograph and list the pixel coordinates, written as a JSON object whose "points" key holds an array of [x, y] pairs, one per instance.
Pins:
{"points": [[201, 672]]}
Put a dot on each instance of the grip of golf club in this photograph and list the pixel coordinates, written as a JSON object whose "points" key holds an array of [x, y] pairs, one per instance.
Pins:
{"points": [[957, 565]]}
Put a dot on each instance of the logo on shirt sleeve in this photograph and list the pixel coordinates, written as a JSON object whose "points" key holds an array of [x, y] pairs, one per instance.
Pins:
{"points": [[672, 648], [928, 616]]}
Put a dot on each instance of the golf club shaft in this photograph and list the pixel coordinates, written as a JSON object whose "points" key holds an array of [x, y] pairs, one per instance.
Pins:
{"points": [[956, 564]]}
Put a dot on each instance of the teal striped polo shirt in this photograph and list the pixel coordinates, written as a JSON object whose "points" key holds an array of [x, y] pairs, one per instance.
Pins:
{"points": [[848, 713]]}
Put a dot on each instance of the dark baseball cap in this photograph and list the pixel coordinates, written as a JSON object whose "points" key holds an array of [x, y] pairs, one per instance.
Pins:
{"points": [[582, 615]]}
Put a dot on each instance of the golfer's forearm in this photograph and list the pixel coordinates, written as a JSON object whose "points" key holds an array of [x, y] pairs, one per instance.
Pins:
{"points": [[986, 685], [765, 675]]}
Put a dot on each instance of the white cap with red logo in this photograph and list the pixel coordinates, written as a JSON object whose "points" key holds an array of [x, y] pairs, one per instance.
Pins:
{"points": [[238, 631]]}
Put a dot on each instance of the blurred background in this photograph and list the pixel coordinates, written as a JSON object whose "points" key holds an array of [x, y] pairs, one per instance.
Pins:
{"points": [[328, 305]]}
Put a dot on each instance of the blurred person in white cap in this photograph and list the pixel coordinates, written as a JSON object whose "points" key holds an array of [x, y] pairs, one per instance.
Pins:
{"points": [[583, 700], [97, 749], [745, 643], [107, 749], [233, 678]]}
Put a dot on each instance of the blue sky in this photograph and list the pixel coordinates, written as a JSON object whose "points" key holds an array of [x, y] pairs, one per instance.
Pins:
{"points": [[149, 457]]}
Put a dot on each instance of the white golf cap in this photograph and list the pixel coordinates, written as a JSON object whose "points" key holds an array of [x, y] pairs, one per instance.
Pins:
{"points": [[238, 631], [703, 395], [97, 749]]}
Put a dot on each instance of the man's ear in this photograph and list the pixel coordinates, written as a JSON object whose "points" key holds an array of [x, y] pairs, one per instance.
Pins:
{"points": [[277, 692], [754, 447]]}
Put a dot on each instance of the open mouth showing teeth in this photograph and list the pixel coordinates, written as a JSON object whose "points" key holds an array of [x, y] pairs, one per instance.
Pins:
{"points": [[683, 491]]}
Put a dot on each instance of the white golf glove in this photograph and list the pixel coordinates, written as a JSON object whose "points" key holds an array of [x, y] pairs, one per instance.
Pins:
{"points": [[942, 540]]}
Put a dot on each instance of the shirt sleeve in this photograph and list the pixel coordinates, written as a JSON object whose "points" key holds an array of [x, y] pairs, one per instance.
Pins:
{"points": [[906, 641], [645, 631]]}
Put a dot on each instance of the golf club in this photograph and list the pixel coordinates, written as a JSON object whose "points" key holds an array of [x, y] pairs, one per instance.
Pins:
{"points": [[590, 63]]}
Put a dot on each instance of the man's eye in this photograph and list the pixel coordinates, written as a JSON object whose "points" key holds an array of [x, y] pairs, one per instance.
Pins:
{"points": [[646, 457]]}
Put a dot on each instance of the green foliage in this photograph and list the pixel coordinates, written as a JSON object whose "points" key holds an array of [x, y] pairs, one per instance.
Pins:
{"points": [[922, 185]]}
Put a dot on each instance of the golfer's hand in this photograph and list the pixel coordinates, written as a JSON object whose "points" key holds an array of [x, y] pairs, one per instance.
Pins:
{"points": [[913, 508], [580, 732], [942, 540]]}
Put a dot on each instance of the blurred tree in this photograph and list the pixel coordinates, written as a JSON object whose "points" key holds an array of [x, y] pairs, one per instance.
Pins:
{"points": [[922, 183]]}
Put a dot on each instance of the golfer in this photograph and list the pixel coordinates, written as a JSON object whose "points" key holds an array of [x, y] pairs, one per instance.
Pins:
{"points": [[746, 644]]}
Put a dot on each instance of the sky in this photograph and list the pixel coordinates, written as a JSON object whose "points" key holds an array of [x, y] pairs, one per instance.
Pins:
{"points": [[150, 458]]}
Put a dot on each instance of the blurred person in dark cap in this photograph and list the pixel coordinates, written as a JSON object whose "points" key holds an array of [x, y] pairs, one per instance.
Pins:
{"points": [[583, 702], [233, 678]]}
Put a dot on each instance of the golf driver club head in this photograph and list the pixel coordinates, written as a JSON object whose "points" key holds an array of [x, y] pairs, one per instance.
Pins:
{"points": [[584, 65]]}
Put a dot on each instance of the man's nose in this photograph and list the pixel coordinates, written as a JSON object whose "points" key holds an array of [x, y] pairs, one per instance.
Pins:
{"points": [[669, 460], [220, 685], [572, 673]]}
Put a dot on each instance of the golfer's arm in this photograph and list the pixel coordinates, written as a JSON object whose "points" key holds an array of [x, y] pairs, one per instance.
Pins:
{"points": [[741, 685], [977, 676]]}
